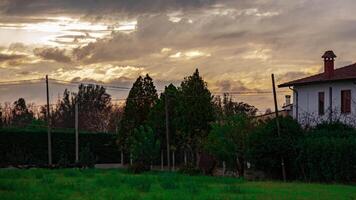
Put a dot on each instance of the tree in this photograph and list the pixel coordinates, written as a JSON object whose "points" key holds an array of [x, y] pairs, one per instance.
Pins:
{"points": [[228, 141], [195, 111], [227, 107], [157, 117], [1, 117], [94, 109], [144, 146], [21, 115], [142, 97]]}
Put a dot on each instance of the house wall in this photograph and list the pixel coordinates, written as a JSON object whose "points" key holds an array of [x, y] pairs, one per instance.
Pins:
{"points": [[308, 103]]}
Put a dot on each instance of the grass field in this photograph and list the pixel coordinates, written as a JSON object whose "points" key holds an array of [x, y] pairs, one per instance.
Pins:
{"points": [[73, 184]]}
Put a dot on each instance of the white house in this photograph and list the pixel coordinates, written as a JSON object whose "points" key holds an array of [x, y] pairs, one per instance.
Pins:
{"points": [[330, 95]]}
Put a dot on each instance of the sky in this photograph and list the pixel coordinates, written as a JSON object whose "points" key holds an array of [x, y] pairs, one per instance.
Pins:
{"points": [[235, 44]]}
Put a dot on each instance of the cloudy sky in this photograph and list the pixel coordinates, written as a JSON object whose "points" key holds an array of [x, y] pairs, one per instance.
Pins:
{"points": [[236, 44]]}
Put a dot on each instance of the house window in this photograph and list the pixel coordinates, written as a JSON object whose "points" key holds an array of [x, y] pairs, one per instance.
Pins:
{"points": [[345, 101], [321, 103]]}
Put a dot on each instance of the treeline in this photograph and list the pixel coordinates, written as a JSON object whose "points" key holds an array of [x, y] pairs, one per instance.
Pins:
{"points": [[189, 111], [95, 110], [197, 129]]}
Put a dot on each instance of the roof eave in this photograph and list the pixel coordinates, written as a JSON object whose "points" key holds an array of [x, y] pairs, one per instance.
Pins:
{"points": [[312, 82]]}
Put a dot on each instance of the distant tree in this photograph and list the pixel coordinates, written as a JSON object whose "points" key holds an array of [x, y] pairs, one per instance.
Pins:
{"points": [[20, 114], [63, 115], [94, 109], [1, 117], [196, 112], [142, 97], [227, 107], [268, 111], [115, 118]]}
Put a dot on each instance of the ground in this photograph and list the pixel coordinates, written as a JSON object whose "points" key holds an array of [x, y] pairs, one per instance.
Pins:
{"points": [[119, 184]]}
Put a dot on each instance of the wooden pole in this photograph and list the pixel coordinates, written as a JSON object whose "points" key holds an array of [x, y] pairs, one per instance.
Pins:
{"points": [[131, 161], [49, 138], [185, 158], [162, 160], [277, 123], [76, 134], [122, 157], [173, 160], [167, 131]]}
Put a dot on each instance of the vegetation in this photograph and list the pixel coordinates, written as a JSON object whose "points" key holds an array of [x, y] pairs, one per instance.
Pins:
{"points": [[203, 131], [29, 146], [117, 184], [144, 148], [227, 141]]}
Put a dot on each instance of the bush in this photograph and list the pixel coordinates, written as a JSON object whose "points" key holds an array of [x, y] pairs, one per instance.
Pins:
{"points": [[144, 147], [29, 146], [138, 168], [86, 157], [328, 154], [190, 169], [266, 148]]}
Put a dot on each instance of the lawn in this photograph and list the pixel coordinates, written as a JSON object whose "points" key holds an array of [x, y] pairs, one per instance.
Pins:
{"points": [[118, 184]]}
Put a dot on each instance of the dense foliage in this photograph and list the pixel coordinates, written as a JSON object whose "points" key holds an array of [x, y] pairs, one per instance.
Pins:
{"points": [[142, 97], [328, 153], [227, 141], [29, 146], [144, 146], [325, 153]]}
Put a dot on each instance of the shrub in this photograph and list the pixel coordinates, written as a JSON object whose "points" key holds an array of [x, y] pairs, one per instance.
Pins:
{"points": [[138, 168], [328, 154], [86, 157], [227, 141], [266, 148], [144, 147], [190, 169]]}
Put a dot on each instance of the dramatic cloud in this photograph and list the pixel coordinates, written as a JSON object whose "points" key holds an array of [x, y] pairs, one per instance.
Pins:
{"points": [[236, 44], [55, 54], [24, 7], [10, 57]]}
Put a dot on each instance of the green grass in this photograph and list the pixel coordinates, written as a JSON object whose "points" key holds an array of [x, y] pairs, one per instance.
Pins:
{"points": [[118, 184]]}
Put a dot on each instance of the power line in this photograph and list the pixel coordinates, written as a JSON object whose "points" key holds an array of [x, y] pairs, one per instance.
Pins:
{"points": [[88, 83], [18, 81]]}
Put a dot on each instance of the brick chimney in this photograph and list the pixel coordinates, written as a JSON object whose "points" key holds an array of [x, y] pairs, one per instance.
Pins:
{"points": [[329, 58]]}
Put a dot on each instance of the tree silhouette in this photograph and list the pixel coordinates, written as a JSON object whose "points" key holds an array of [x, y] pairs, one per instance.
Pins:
{"points": [[196, 111], [21, 115], [142, 97]]}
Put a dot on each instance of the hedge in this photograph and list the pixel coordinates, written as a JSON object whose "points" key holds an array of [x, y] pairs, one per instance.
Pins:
{"points": [[328, 156], [325, 153], [29, 146]]}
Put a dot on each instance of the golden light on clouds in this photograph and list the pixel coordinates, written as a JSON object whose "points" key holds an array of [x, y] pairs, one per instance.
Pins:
{"points": [[235, 44], [100, 73]]}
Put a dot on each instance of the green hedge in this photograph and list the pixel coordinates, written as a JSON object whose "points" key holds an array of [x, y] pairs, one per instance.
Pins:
{"points": [[325, 153], [328, 155], [29, 146]]}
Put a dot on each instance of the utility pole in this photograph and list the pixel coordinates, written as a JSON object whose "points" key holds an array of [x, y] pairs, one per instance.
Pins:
{"points": [[167, 130], [49, 139], [76, 134], [277, 123]]}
